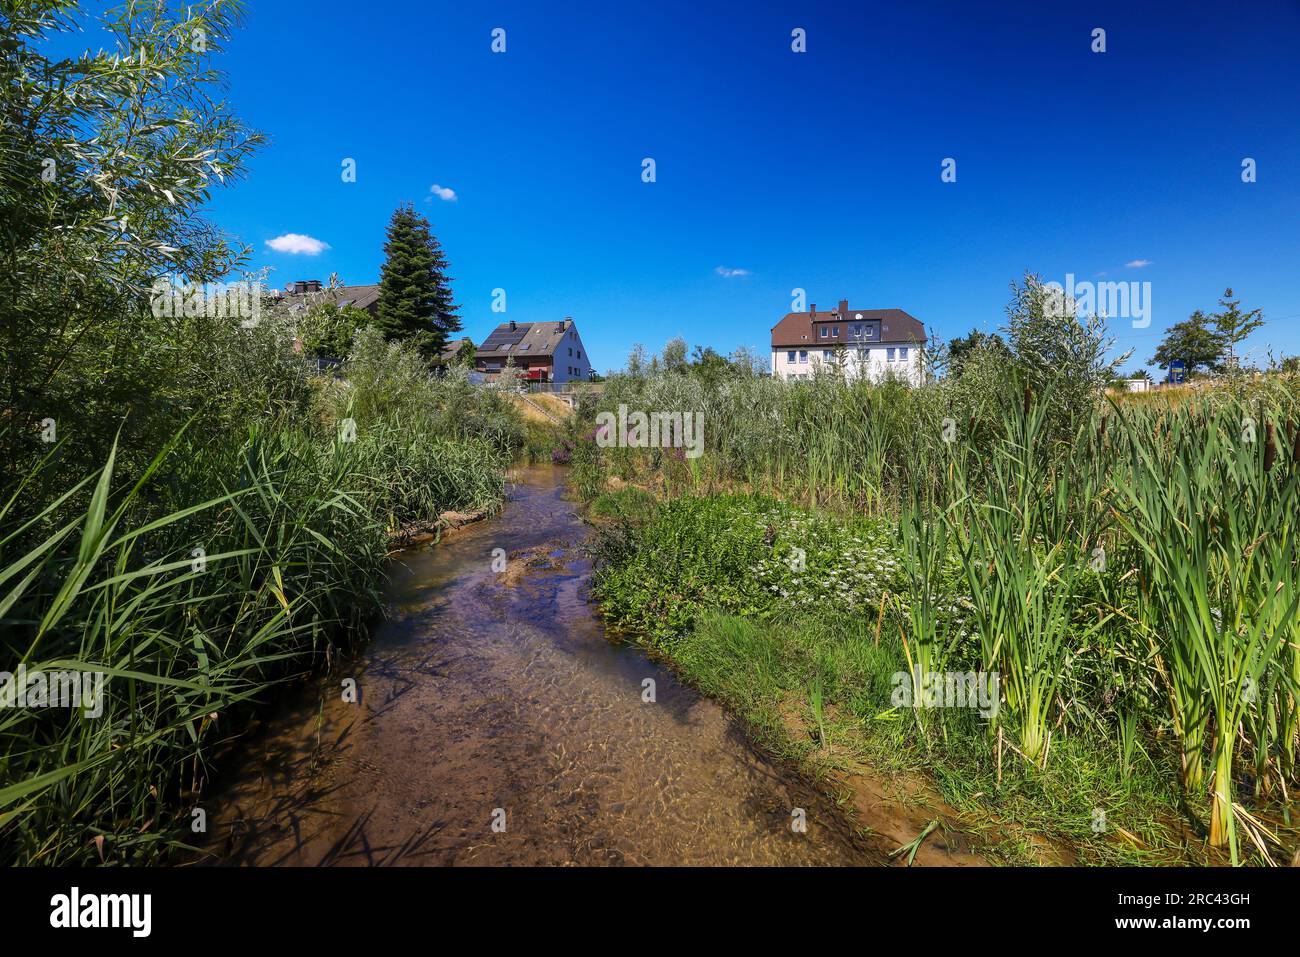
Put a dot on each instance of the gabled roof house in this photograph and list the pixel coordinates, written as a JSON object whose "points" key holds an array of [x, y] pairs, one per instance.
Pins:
{"points": [[541, 351], [855, 342]]}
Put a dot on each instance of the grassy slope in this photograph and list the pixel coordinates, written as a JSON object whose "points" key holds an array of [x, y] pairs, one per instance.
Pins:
{"points": [[807, 660]]}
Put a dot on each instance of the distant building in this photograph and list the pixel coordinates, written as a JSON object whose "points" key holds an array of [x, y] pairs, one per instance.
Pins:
{"points": [[874, 343], [455, 348], [305, 293], [541, 351]]}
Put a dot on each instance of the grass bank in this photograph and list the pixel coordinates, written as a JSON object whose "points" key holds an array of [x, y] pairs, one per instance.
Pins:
{"points": [[811, 659], [1128, 576], [197, 585]]}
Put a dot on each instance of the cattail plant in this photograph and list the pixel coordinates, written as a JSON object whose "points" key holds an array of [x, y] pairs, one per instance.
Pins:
{"points": [[1216, 541]]}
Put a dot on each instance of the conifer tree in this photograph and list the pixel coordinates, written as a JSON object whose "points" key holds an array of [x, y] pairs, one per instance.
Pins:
{"points": [[1235, 325], [415, 299]]}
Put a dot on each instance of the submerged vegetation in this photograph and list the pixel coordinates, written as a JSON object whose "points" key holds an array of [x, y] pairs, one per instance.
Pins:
{"points": [[1126, 572]]}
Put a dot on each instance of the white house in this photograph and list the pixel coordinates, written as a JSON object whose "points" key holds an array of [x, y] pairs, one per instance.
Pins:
{"points": [[854, 342]]}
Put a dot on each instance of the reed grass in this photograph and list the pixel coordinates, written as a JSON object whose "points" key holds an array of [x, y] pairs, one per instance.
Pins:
{"points": [[229, 565], [1130, 566]]}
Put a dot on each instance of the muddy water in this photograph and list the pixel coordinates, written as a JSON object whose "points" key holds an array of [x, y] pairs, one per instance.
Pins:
{"points": [[496, 696]]}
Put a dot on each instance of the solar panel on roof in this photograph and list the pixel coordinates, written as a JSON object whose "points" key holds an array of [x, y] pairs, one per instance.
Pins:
{"points": [[504, 337]]}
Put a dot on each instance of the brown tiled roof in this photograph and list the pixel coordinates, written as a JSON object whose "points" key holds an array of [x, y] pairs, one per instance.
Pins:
{"points": [[527, 339], [896, 326]]}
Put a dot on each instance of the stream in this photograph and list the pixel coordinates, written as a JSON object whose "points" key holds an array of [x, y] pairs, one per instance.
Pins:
{"points": [[498, 724]]}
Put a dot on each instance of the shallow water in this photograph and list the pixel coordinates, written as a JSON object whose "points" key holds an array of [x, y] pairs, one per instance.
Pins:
{"points": [[489, 692]]}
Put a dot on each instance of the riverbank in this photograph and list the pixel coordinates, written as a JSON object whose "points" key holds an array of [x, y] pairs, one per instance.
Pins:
{"points": [[204, 584], [809, 661], [492, 696]]}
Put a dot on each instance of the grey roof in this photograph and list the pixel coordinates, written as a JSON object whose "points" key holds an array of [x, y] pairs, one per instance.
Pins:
{"points": [[525, 339], [452, 348], [363, 297]]}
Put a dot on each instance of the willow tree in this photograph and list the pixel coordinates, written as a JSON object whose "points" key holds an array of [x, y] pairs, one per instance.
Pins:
{"points": [[106, 160]]}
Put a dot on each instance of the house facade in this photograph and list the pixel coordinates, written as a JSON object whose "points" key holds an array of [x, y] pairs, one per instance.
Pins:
{"points": [[855, 343], [540, 351]]}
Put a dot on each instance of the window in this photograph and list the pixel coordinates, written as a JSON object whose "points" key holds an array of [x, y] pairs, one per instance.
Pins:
{"points": [[803, 355], [826, 354], [855, 331], [890, 356], [835, 331], [824, 332], [789, 356], [902, 353]]}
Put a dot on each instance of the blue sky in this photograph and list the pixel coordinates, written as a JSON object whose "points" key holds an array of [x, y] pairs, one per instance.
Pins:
{"points": [[818, 170]]}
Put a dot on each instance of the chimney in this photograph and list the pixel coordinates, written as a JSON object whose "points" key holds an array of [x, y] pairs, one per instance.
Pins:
{"points": [[812, 310], [844, 307], [512, 325]]}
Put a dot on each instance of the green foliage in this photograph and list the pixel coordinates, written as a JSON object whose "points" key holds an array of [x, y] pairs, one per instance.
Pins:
{"points": [[774, 666], [1132, 584], [1062, 356], [1213, 515], [100, 184], [213, 518], [388, 383], [1199, 347], [674, 357], [415, 298], [768, 559], [328, 331], [963, 347], [1233, 325]]}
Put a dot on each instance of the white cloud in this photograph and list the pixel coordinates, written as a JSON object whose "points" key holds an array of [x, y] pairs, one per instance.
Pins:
{"points": [[1137, 263], [729, 273], [444, 193], [296, 243]]}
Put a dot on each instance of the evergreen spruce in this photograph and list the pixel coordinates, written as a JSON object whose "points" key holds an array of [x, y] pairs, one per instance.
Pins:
{"points": [[415, 301]]}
